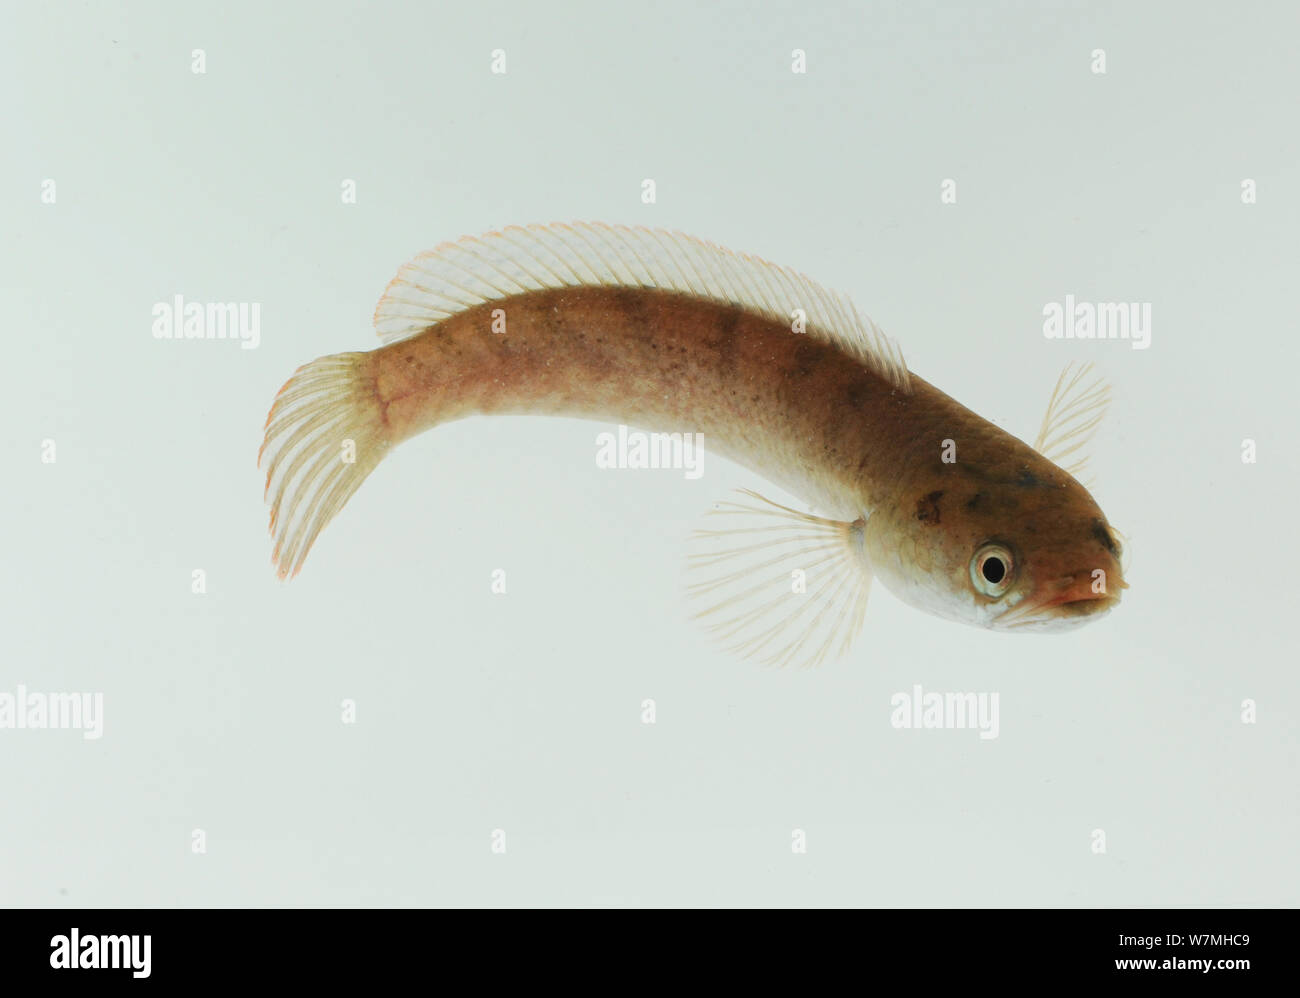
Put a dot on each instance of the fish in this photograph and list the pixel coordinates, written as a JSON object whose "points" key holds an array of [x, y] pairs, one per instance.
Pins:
{"points": [[656, 329]]}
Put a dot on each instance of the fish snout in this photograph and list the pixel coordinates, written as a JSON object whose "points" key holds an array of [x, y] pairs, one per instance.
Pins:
{"points": [[1067, 598]]}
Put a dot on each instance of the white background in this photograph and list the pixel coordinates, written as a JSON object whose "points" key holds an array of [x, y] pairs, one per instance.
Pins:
{"points": [[522, 712]]}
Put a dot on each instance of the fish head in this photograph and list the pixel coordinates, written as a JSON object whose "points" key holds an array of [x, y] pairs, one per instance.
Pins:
{"points": [[1025, 550]]}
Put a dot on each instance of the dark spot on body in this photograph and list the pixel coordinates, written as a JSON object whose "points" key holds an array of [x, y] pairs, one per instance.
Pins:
{"points": [[1102, 535], [632, 302], [927, 508], [552, 322], [806, 357], [856, 395], [1028, 479], [727, 337], [979, 501]]}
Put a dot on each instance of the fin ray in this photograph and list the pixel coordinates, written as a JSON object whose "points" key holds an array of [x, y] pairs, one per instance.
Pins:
{"points": [[1074, 412], [457, 276], [325, 403], [745, 592]]}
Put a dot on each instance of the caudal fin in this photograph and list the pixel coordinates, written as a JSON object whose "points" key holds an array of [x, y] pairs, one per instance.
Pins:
{"points": [[324, 434]]}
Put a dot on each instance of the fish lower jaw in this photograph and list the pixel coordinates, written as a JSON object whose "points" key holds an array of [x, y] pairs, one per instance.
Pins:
{"points": [[1063, 617]]}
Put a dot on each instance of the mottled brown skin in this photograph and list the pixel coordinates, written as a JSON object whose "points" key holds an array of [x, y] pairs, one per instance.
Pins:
{"points": [[791, 406], [799, 410]]}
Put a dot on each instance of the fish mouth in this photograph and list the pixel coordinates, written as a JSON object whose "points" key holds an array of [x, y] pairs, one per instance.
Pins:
{"points": [[1069, 598]]}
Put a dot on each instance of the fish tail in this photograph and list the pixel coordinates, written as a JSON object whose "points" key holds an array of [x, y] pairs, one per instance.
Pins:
{"points": [[326, 431]]}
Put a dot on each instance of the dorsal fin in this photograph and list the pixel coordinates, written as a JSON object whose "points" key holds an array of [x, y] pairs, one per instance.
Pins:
{"points": [[474, 270]]}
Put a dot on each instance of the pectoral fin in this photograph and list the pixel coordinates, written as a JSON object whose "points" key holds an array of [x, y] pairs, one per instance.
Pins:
{"points": [[778, 585], [1077, 407]]}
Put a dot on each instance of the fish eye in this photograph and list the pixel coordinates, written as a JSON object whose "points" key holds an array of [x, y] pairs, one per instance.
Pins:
{"points": [[992, 570]]}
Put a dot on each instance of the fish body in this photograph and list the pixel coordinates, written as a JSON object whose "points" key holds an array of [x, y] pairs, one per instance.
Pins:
{"points": [[760, 396], [664, 332]]}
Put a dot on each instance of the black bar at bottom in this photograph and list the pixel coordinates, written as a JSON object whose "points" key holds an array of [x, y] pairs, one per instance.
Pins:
{"points": [[338, 947]]}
